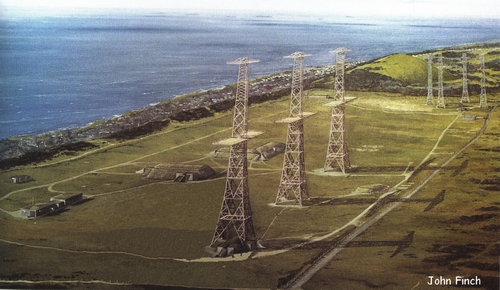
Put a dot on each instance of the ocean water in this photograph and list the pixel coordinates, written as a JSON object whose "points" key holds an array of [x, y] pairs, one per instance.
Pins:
{"points": [[65, 72]]}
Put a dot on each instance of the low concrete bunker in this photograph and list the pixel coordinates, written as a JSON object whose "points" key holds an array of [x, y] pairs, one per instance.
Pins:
{"points": [[178, 172], [261, 153], [21, 179], [269, 150]]}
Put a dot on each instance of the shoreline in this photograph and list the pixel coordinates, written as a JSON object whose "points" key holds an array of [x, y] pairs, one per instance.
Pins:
{"points": [[21, 150]]}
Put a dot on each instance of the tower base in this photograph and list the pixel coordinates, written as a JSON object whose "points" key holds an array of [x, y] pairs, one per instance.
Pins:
{"points": [[223, 248]]}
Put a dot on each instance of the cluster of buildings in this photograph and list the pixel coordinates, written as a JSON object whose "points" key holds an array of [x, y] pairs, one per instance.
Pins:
{"points": [[55, 204]]}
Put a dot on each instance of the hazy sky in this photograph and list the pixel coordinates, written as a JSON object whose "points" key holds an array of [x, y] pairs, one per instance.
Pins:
{"points": [[407, 8]]}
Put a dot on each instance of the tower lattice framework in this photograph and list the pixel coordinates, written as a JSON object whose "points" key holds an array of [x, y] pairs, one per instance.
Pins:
{"points": [[337, 155], [440, 99], [430, 97], [465, 89], [483, 101], [235, 217], [293, 184], [339, 91]]}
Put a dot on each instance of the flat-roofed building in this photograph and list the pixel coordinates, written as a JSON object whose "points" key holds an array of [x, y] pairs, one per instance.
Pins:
{"points": [[41, 209]]}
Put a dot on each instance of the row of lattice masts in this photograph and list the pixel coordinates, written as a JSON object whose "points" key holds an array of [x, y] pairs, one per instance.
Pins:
{"points": [[293, 182], [483, 102], [235, 217]]}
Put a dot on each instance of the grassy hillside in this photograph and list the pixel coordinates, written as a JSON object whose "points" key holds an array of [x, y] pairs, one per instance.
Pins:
{"points": [[405, 68], [410, 71]]}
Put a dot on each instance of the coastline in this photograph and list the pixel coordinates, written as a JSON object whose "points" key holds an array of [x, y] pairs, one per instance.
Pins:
{"points": [[32, 148]]}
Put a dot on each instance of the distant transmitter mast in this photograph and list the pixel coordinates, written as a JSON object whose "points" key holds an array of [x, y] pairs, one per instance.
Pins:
{"points": [[440, 99], [483, 101], [465, 89], [430, 97]]}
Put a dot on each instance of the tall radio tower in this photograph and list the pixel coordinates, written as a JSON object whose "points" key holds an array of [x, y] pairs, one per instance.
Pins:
{"points": [[293, 184], [235, 217], [337, 155], [465, 90], [483, 102], [430, 97], [440, 100]]}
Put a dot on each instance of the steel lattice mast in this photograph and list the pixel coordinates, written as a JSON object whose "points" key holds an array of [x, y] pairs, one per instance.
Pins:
{"points": [[337, 155], [235, 217], [293, 184], [440, 99], [430, 97], [483, 101], [465, 90], [339, 73]]}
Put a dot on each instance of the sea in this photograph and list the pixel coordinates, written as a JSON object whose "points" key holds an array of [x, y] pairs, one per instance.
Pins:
{"points": [[66, 71]]}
